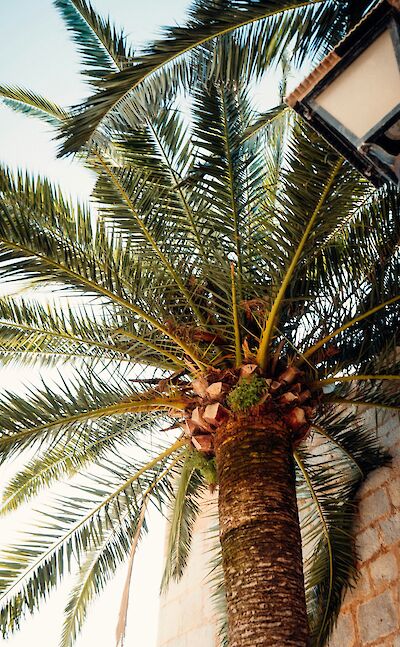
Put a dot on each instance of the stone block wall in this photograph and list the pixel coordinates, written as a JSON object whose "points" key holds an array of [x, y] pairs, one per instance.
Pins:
{"points": [[370, 615]]}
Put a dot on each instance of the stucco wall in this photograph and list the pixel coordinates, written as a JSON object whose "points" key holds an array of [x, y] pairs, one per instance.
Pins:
{"points": [[370, 616]]}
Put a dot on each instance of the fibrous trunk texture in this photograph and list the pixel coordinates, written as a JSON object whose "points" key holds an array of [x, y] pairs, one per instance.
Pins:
{"points": [[260, 534]]}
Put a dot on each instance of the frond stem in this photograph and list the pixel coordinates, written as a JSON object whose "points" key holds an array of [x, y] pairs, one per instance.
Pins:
{"points": [[178, 186], [362, 403], [351, 458], [61, 335], [238, 348], [234, 208], [262, 355], [150, 344], [351, 378], [263, 125], [199, 43], [110, 295], [134, 406]]}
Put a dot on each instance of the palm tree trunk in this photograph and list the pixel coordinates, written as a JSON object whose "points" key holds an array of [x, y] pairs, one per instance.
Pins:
{"points": [[260, 534]]}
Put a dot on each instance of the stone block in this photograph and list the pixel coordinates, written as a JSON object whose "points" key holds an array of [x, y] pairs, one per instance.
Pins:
{"points": [[394, 492], [390, 432], [384, 569], [178, 641], [391, 529], [373, 506], [377, 618], [192, 608], [376, 479], [169, 622], [367, 544], [396, 642], [361, 589], [206, 636], [343, 634]]}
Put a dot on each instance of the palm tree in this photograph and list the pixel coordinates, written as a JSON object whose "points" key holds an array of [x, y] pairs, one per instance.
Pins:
{"points": [[237, 289]]}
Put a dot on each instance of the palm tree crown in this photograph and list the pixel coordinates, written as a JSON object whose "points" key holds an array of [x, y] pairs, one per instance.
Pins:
{"points": [[235, 263]]}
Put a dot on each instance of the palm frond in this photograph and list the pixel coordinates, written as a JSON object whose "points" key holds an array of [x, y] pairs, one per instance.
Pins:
{"points": [[102, 47], [75, 529], [264, 121], [366, 394], [102, 561], [319, 23], [123, 611], [229, 181], [184, 510], [52, 413], [328, 512], [355, 320], [35, 220], [74, 454], [32, 104], [217, 583], [118, 184], [30, 332], [262, 356]]}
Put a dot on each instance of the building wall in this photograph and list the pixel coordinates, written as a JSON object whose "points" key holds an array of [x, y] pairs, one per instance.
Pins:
{"points": [[370, 615], [187, 618]]}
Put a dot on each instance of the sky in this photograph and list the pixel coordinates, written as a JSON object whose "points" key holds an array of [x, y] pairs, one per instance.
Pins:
{"points": [[36, 52]]}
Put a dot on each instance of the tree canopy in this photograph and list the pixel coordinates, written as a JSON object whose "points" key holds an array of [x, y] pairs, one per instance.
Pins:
{"points": [[217, 237]]}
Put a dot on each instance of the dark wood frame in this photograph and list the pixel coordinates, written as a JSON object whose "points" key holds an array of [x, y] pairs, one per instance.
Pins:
{"points": [[386, 15]]}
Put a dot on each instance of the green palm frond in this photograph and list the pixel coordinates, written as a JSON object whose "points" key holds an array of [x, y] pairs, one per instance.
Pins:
{"points": [[94, 575], [365, 313], [216, 581], [57, 412], [350, 336], [369, 394], [263, 122], [184, 509], [103, 48], [75, 529], [32, 104], [118, 185], [72, 455], [320, 23], [336, 258], [345, 434], [160, 158], [35, 220], [32, 332], [102, 562], [298, 250], [230, 178], [328, 513]]}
